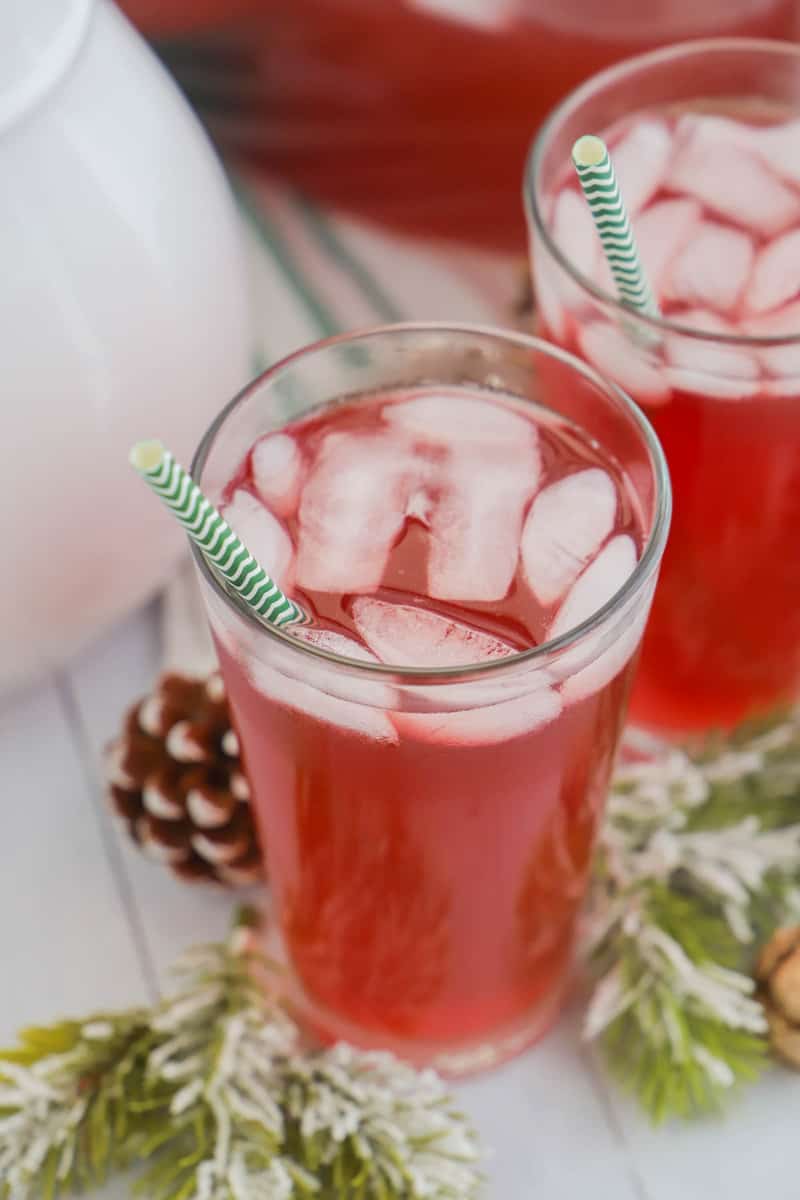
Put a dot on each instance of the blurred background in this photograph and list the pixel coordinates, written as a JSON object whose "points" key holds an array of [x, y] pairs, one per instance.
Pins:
{"points": [[414, 113]]}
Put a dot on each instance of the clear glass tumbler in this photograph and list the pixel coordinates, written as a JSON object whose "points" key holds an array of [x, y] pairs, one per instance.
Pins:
{"points": [[428, 832], [721, 385]]}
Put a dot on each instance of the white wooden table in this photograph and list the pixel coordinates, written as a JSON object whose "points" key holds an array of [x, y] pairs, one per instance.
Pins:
{"points": [[85, 922]]}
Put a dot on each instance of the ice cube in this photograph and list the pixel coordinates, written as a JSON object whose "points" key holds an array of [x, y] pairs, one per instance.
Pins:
{"points": [[483, 726], [602, 276], [609, 661], [408, 636], [707, 368], [696, 354], [419, 506], [703, 320], [662, 232], [783, 322], [566, 526], [710, 128], [476, 524], [363, 719], [641, 159], [782, 361], [449, 418], [573, 231], [369, 690], [614, 353], [778, 146], [334, 642], [263, 534], [573, 228], [733, 184], [352, 510], [784, 388], [776, 276], [484, 692], [715, 387], [713, 269], [277, 467], [601, 580]]}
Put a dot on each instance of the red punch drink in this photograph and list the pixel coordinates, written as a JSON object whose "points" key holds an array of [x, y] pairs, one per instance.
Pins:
{"points": [[418, 113], [714, 192], [429, 758]]}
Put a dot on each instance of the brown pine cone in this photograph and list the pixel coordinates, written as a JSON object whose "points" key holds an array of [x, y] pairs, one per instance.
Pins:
{"points": [[778, 975], [175, 779]]}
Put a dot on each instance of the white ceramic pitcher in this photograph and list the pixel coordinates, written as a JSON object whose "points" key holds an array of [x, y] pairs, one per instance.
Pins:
{"points": [[122, 315]]}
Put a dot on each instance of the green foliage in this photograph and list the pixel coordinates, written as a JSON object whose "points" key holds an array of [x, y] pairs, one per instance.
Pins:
{"points": [[699, 862], [63, 1103], [669, 1047], [208, 1097], [665, 1084], [369, 1128]]}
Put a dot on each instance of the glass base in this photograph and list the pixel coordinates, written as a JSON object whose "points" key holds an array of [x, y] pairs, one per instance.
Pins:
{"points": [[453, 1060]]}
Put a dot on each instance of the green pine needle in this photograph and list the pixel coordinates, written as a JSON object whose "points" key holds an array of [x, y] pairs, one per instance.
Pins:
{"points": [[699, 862], [62, 1096], [210, 1097], [652, 1047]]}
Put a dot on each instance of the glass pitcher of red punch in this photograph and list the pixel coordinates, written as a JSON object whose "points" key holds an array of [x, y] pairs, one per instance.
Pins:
{"points": [[415, 113]]}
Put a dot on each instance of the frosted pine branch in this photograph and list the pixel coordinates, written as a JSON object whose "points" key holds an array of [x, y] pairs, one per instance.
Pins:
{"points": [[730, 864], [211, 1096], [285, 1125], [390, 1125], [651, 826], [705, 988], [56, 1118], [699, 853]]}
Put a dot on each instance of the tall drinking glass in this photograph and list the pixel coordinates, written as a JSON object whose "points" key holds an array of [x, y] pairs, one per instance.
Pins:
{"points": [[706, 139], [429, 761]]}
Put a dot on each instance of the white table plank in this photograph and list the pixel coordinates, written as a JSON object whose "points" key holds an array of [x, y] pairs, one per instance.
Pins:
{"points": [[105, 681], [67, 943], [749, 1152], [546, 1123]]}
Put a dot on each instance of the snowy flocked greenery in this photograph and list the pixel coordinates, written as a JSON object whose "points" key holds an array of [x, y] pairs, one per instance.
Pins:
{"points": [[210, 1096], [699, 861]]}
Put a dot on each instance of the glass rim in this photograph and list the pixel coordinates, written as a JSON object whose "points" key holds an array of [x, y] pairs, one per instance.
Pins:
{"points": [[577, 97], [644, 569]]}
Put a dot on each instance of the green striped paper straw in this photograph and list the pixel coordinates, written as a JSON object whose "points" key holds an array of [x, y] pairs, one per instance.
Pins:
{"points": [[600, 187], [212, 533]]}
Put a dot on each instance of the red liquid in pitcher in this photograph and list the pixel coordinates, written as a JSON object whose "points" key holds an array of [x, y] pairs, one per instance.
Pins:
{"points": [[716, 211], [418, 113], [427, 865]]}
